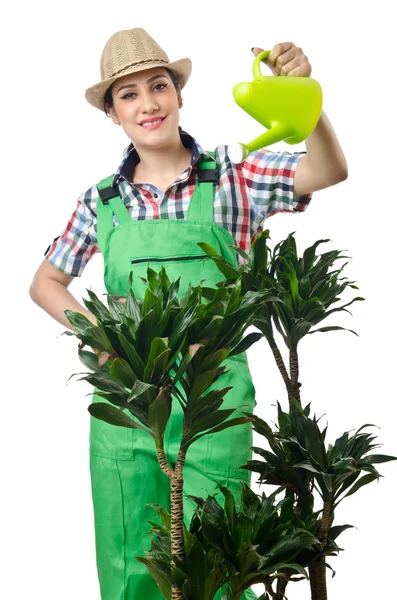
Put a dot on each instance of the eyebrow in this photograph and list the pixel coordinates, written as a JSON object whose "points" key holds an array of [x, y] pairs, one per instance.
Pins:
{"points": [[134, 84]]}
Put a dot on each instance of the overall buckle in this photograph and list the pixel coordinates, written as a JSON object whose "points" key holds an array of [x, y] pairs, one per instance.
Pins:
{"points": [[107, 193], [208, 175]]}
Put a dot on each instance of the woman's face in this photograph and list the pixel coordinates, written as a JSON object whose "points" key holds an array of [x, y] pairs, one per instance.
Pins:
{"points": [[147, 96]]}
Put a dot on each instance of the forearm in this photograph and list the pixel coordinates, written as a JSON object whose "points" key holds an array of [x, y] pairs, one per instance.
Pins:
{"points": [[53, 297], [324, 153]]}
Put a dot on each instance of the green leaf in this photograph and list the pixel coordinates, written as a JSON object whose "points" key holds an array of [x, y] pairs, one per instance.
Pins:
{"points": [[158, 569], [310, 254], [332, 328], [208, 422], [149, 300], [136, 362], [230, 507], [104, 382], [208, 249], [304, 287], [212, 361], [293, 567], [225, 267], [329, 312], [159, 414], [373, 459], [182, 322], [246, 343], [78, 321], [359, 484], [120, 369], [201, 384], [240, 251], [335, 531], [141, 388], [157, 347], [114, 416], [160, 370], [259, 250], [208, 404], [307, 466], [132, 306], [229, 423], [287, 510]]}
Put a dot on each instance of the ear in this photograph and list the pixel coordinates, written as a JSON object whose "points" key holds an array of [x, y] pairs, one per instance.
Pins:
{"points": [[113, 116], [180, 101]]}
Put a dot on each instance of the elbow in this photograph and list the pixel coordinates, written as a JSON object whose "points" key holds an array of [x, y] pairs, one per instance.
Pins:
{"points": [[342, 170], [343, 174], [32, 292]]}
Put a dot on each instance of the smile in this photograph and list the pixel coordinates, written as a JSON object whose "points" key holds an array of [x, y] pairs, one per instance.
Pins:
{"points": [[153, 124]]}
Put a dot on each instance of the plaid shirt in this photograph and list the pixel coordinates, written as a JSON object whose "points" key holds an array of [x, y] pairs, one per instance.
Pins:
{"points": [[247, 194]]}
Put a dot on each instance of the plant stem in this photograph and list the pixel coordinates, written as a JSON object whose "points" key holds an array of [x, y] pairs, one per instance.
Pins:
{"points": [[282, 583], [318, 575], [177, 542], [294, 371], [163, 462], [176, 501], [325, 523], [280, 364], [318, 581]]}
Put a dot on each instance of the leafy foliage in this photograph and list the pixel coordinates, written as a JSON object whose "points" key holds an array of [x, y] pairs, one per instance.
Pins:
{"points": [[242, 545], [148, 347], [304, 288]]}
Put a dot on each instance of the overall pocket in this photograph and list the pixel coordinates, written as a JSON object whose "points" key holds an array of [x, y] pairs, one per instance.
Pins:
{"points": [[229, 449], [189, 268], [110, 441]]}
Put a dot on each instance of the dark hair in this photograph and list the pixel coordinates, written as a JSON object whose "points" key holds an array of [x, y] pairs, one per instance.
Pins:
{"points": [[108, 100]]}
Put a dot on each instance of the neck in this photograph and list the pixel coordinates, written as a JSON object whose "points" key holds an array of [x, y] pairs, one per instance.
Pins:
{"points": [[167, 159]]}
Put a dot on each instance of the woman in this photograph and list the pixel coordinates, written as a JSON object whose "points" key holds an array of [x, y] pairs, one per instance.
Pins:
{"points": [[148, 208]]}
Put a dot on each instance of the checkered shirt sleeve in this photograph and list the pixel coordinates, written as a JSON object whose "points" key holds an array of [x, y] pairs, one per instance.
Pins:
{"points": [[76, 245], [269, 178]]}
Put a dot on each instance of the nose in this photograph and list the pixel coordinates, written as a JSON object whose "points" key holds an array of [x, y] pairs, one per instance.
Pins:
{"points": [[149, 103]]}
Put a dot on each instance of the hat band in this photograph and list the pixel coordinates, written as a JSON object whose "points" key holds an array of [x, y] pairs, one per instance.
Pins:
{"points": [[134, 64]]}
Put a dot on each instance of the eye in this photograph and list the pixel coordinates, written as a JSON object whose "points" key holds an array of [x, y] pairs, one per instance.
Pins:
{"points": [[126, 96], [161, 86]]}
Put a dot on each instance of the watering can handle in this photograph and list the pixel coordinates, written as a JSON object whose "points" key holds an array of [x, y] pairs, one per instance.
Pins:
{"points": [[256, 69]]}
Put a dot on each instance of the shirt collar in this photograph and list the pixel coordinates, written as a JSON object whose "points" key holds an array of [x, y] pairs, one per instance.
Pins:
{"points": [[131, 159]]}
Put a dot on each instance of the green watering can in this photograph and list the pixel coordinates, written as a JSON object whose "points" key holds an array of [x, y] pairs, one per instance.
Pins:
{"points": [[289, 107]]}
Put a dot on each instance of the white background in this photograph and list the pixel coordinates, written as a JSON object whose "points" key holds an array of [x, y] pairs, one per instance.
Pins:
{"points": [[56, 146]]}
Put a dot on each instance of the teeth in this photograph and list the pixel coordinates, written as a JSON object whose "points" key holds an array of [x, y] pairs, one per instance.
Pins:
{"points": [[151, 123]]}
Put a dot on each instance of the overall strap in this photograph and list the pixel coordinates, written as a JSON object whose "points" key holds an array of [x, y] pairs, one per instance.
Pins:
{"points": [[109, 203], [201, 206]]}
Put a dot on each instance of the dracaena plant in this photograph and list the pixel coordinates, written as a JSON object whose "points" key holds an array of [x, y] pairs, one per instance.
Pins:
{"points": [[308, 290], [145, 348], [300, 461], [306, 287], [258, 543]]}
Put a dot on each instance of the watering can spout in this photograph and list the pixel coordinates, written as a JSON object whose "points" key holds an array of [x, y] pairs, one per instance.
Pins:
{"points": [[289, 108]]}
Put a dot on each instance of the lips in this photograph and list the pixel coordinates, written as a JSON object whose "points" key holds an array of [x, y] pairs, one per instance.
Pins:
{"points": [[147, 123]]}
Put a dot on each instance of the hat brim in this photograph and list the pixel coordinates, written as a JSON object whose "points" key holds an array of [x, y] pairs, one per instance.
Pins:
{"points": [[96, 93]]}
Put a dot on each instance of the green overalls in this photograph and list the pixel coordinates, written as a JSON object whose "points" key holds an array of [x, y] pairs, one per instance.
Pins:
{"points": [[125, 475]]}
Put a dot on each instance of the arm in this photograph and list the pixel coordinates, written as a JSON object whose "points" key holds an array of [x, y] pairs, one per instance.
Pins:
{"points": [[49, 291], [324, 164], [66, 259]]}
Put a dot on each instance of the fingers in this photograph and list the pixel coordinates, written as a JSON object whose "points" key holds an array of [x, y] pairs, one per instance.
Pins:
{"points": [[119, 299], [276, 59], [287, 59]]}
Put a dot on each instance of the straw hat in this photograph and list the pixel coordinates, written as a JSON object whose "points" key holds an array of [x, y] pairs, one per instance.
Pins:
{"points": [[129, 51]]}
